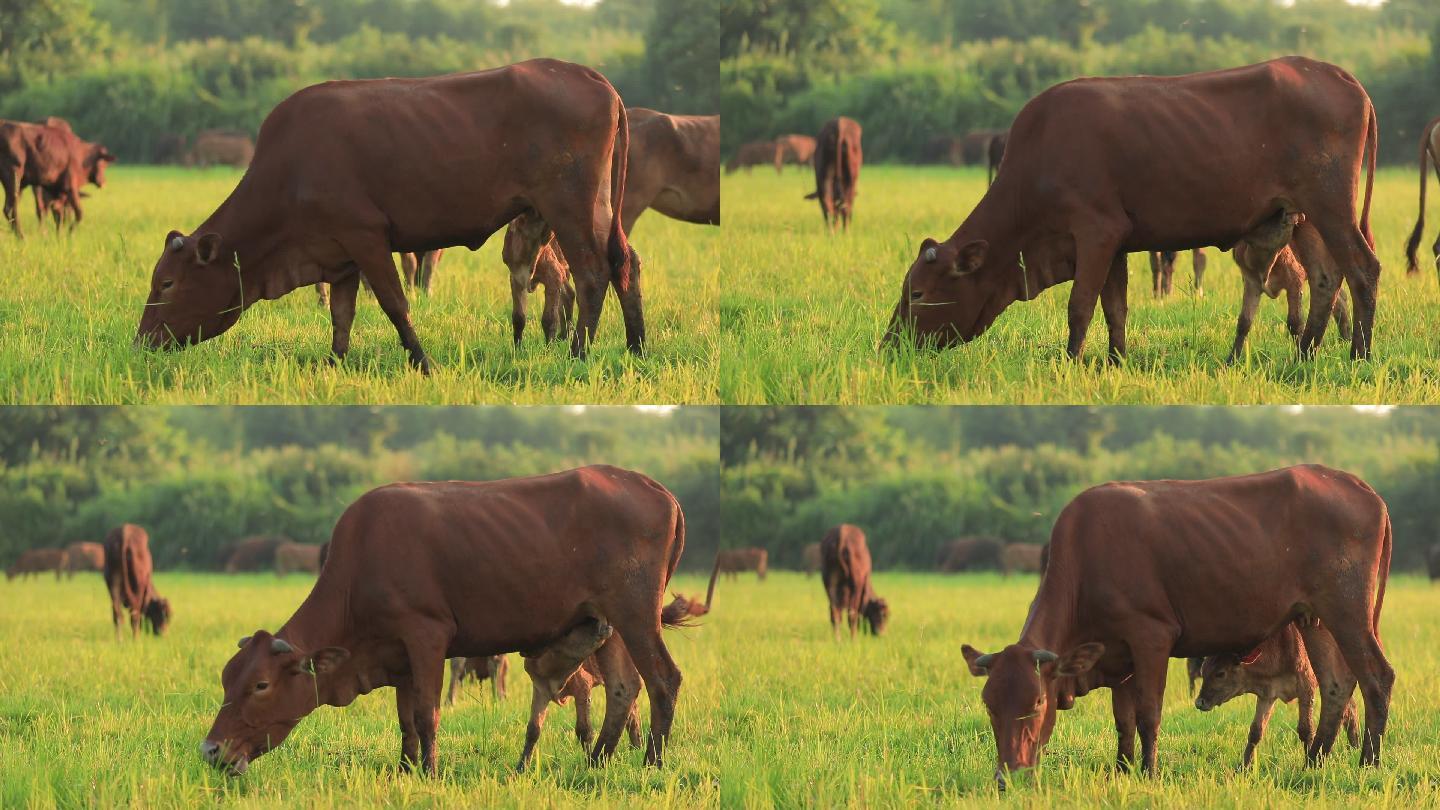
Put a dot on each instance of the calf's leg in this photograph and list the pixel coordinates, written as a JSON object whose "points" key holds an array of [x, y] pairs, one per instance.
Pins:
{"points": [[583, 731], [539, 704], [1263, 707], [1249, 305]]}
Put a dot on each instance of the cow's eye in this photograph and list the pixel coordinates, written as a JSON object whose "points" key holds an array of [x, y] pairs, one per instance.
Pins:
{"points": [[916, 295], [167, 284], [262, 686]]}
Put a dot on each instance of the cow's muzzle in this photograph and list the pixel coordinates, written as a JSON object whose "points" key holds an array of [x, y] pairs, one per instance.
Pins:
{"points": [[214, 753], [1203, 705]]}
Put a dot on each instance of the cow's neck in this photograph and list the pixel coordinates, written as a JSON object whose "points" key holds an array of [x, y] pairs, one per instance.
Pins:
{"points": [[323, 620], [1051, 622], [1031, 256], [252, 234]]}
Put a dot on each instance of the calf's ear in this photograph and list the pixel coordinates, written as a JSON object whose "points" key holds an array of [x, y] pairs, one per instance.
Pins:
{"points": [[978, 662], [1080, 659], [326, 660]]}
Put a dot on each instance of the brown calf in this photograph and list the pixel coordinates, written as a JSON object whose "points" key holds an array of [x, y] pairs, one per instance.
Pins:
{"points": [[290, 557], [970, 554], [755, 153], [732, 562], [1268, 264]]}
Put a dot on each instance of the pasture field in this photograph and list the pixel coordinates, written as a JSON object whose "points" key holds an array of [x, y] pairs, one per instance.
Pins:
{"points": [[70, 307], [802, 313], [773, 713]]}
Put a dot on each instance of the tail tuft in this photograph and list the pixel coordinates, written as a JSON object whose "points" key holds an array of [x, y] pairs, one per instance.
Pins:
{"points": [[682, 611]]}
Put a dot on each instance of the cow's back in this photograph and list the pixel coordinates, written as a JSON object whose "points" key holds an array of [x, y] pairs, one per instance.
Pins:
{"points": [[844, 554], [127, 564]]}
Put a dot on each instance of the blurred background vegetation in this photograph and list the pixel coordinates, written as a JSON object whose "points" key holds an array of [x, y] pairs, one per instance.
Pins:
{"points": [[915, 477], [910, 70], [135, 74], [199, 477]]}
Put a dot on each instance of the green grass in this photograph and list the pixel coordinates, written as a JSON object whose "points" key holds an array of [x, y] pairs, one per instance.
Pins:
{"points": [[801, 314], [773, 713], [70, 307]]}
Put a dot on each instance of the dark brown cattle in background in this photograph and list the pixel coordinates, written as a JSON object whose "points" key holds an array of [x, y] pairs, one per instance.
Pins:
{"points": [[1433, 562], [485, 568], [54, 161], [1084, 140], [975, 146], [838, 157], [84, 556], [969, 554], [810, 558], [1143, 571], [995, 153], [674, 167], [492, 668], [220, 147], [38, 561], [291, 557], [1021, 558], [732, 562], [1429, 152], [795, 150], [1162, 271], [755, 153], [1283, 273], [408, 165], [845, 571], [255, 553], [1279, 669], [129, 578], [946, 150]]}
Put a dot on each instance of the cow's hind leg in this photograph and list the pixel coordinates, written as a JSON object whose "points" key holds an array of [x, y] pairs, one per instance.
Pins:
{"points": [[1341, 313], [1361, 269], [1197, 257], [1324, 281], [622, 687], [1335, 683], [641, 631], [1249, 305], [583, 730], [1367, 661], [378, 267]]}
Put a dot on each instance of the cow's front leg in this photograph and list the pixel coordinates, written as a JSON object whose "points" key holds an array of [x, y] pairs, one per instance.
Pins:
{"points": [[378, 267], [1114, 302], [342, 314], [1094, 257]]}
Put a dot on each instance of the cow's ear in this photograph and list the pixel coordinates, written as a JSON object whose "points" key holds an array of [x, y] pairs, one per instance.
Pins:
{"points": [[970, 258], [978, 662], [207, 248], [106, 156], [1079, 660], [326, 660]]}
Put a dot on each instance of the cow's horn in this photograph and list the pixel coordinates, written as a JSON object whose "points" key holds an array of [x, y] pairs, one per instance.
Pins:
{"points": [[243, 642], [930, 254], [1045, 657], [177, 243], [985, 660], [280, 645]]}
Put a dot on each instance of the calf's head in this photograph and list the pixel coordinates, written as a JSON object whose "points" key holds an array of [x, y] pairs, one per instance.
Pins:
{"points": [[269, 687], [1222, 677], [1020, 696], [195, 292], [952, 292]]}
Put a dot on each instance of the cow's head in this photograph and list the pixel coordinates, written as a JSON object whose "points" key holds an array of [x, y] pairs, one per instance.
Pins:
{"points": [[157, 613], [877, 614], [953, 291], [1021, 697], [269, 687], [1222, 677], [96, 159], [195, 292]]}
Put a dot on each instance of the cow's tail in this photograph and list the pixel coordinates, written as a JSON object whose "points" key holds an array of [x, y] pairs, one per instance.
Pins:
{"points": [[1372, 145], [681, 610], [1387, 540], [619, 253], [1414, 244]]}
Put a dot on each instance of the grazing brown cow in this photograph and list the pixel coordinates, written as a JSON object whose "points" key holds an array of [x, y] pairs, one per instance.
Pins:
{"points": [[492, 668], [1142, 571], [290, 557], [975, 146], [532, 266], [970, 554], [408, 165], [796, 150], [1072, 203], [732, 562], [995, 151], [38, 561], [810, 558], [845, 570], [837, 170], [674, 167], [128, 573], [220, 147], [1023, 558], [946, 150], [1429, 152], [1282, 273], [52, 159], [1162, 271], [1433, 562], [1279, 669], [485, 568], [755, 153], [83, 556], [252, 553]]}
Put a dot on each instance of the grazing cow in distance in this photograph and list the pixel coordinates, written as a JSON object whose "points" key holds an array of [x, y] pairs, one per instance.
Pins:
{"points": [[485, 568], [810, 558], [837, 170], [38, 561], [946, 150], [494, 668], [845, 569], [290, 557], [84, 556], [796, 150], [408, 165], [128, 577], [1143, 571], [1021, 558], [975, 146], [220, 147], [1279, 669], [732, 562], [1282, 273], [1429, 152], [752, 154], [1433, 562], [256, 553], [54, 161], [1082, 141], [970, 554], [995, 151], [1162, 271]]}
